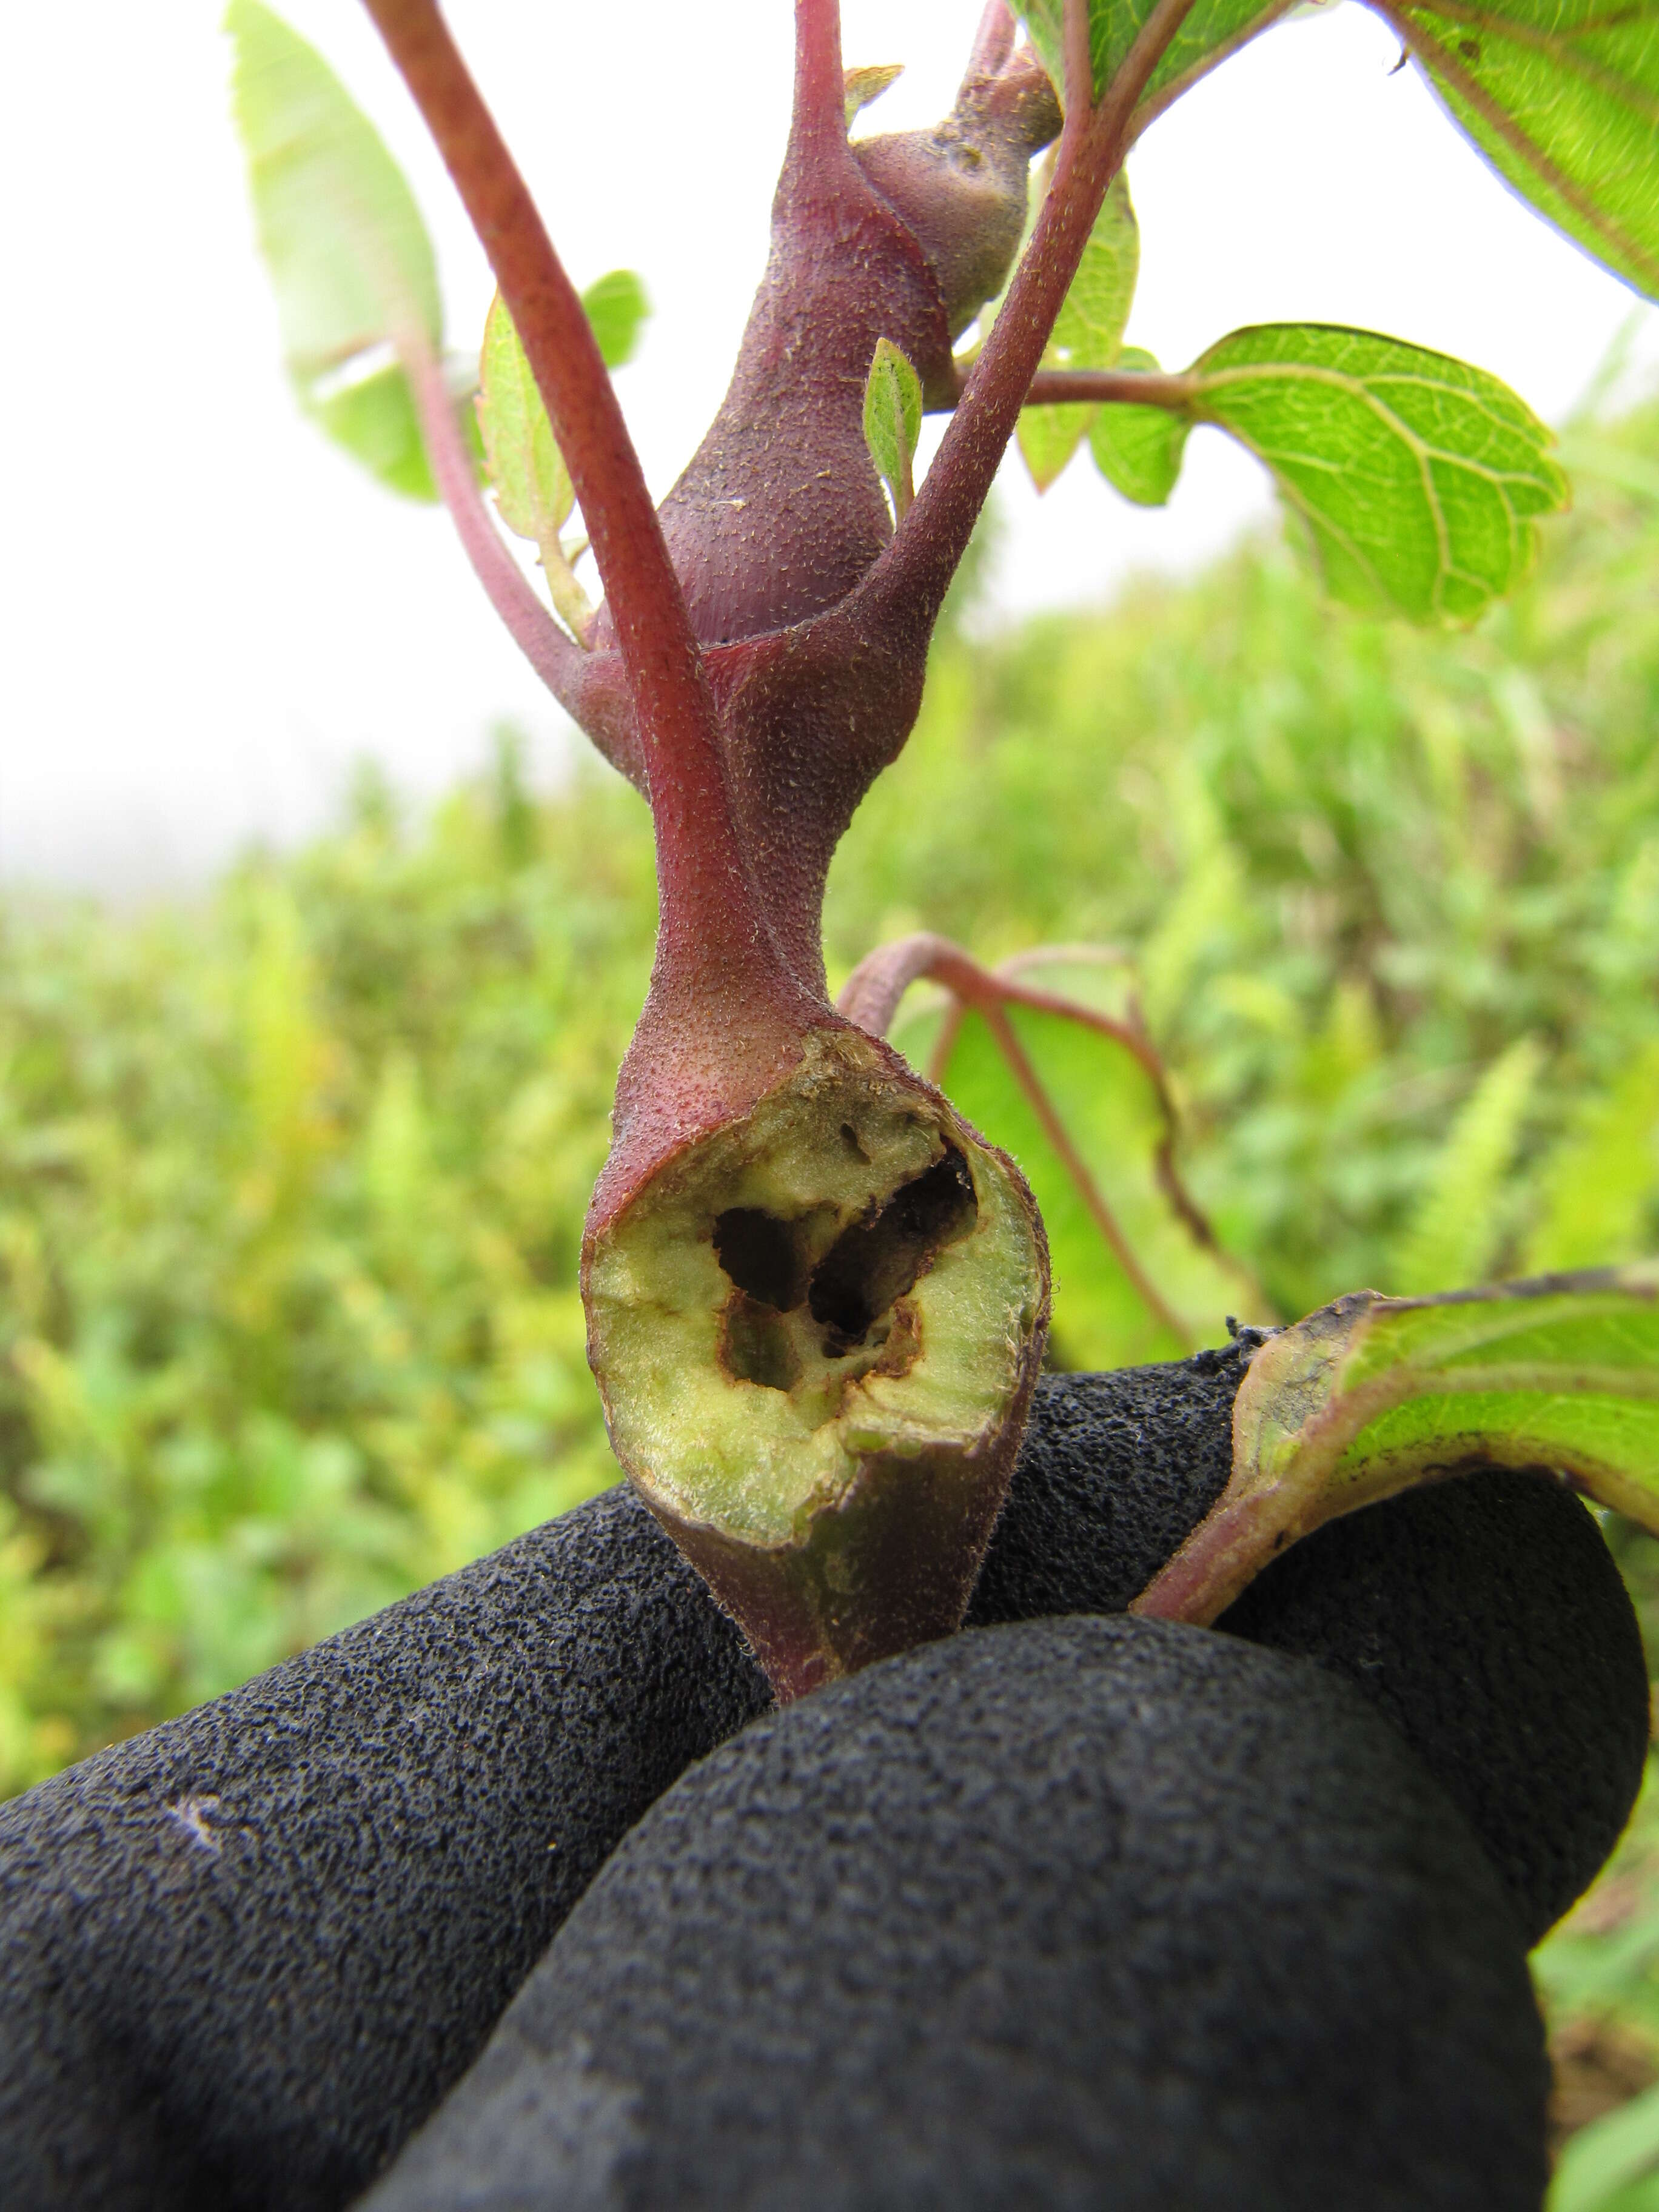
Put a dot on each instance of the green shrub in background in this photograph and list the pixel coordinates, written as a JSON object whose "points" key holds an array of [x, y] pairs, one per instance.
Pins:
{"points": [[291, 1187], [292, 1179]]}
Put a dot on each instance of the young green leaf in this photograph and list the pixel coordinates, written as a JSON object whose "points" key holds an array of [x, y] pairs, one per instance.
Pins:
{"points": [[347, 252], [617, 307], [1211, 31], [1088, 332], [1419, 478], [868, 83], [372, 417], [534, 495], [1049, 437], [892, 422], [349, 258], [532, 484], [533, 492], [1562, 97], [1372, 1395], [1138, 449]]}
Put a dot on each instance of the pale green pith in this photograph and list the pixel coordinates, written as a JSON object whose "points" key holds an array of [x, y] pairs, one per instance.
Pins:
{"points": [[758, 1461]]}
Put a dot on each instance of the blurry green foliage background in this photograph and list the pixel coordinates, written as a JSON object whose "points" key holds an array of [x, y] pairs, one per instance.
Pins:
{"points": [[292, 1177]]}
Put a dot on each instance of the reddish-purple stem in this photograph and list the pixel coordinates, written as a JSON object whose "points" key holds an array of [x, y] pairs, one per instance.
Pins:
{"points": [[994, 41], [1134, 387], [820, 111], [1075, 1166], [709, 899], [1079, 64], [1177, 391]]}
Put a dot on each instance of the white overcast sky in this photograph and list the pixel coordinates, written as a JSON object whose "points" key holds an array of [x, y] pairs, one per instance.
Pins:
{"points": [[207, 614]]}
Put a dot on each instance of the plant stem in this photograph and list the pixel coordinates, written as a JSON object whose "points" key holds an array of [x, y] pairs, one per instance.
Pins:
{"points": [[872, 993], [709, 904], [1124, 387], [1071, 1160], [1080, 87], [871, 997], [533, 629], [1210, 59], [908, 584], [1130, 388], [994, 41], [820, 112]]}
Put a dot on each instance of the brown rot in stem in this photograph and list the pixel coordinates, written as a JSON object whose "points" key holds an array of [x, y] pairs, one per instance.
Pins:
{"points": [[817, 1300]]}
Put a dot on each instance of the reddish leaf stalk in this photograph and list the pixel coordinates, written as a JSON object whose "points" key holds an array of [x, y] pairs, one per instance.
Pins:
{"points": [[1128, 387], [709, 907], [1215, 1563], [996, 1020], [871, 996], [1078, 63], [819, 114]]}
